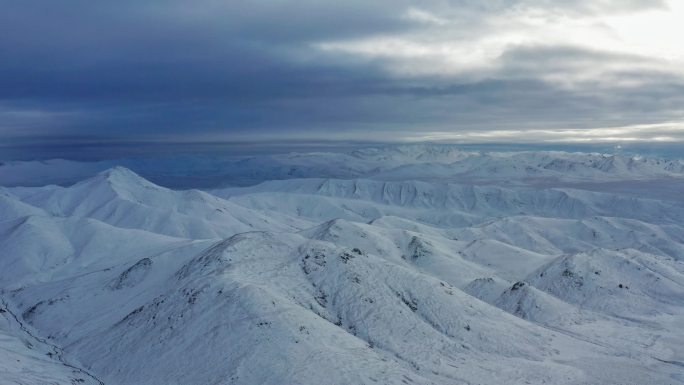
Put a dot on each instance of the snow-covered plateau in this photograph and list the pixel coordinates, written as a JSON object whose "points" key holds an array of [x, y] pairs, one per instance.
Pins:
{"points": [[395, 265]]}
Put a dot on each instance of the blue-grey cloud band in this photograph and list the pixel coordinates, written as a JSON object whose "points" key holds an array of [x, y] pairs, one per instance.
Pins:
{"points": [[212, 70]]}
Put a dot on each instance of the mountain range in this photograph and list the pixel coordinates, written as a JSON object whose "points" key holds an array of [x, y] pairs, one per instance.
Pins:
{"points": [[395, 265]]}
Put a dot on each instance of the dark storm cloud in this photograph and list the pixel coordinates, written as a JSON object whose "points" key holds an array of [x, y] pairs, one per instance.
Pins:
{"points": [[176, 69], [147, 49], [163, 64]]}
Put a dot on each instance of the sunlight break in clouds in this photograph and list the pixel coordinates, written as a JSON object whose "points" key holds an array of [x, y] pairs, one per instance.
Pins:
{"points": [[658, 132], [586, 51], [460, 45]]}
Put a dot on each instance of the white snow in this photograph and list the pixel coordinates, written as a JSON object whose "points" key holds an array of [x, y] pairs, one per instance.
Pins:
{"points": [[411, 264]]}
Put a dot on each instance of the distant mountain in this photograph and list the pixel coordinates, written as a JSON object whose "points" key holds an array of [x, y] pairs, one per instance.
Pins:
{"points": [[410, 162]]}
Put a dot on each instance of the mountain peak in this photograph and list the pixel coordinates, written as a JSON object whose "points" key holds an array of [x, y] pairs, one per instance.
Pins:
{"points": [[119, 172], [122, 176], [115, 182]]}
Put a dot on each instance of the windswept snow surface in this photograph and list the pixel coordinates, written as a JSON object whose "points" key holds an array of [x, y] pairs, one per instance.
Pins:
{"points": [[407, 265]]}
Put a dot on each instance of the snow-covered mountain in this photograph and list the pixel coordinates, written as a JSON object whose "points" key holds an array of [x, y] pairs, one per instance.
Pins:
{"points": [[376, 273], [392, 163]]}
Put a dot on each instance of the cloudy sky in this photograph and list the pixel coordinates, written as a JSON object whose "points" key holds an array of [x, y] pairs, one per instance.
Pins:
{"points": [[472, 71]]}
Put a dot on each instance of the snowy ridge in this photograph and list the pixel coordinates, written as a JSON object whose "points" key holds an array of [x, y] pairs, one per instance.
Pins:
{"points": [[122, 198], [465, 202], [330, 281], [415, 162]]}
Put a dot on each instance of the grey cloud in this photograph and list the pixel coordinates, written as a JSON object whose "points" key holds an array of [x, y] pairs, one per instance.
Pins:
{"points": [[165, 69]]}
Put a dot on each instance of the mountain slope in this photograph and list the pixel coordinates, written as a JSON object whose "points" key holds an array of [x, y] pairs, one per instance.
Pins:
{"points": [[121, 198]]}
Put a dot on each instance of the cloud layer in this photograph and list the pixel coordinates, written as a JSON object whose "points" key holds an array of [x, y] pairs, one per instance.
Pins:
{"points": [[226, 70]]}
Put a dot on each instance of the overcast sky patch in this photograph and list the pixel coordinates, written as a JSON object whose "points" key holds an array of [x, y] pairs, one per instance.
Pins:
{"points": [[510, 71]]}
